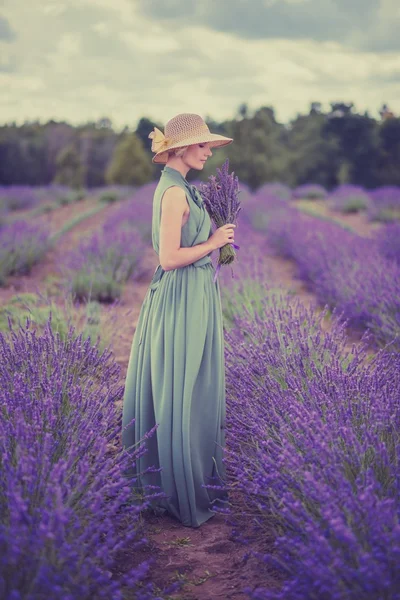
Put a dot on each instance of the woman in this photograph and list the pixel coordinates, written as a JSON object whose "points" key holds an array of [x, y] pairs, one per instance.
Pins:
{"points": [[176, 371]]}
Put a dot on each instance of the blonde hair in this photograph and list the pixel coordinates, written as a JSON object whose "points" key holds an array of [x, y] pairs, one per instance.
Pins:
{"points": [[177, 151]]}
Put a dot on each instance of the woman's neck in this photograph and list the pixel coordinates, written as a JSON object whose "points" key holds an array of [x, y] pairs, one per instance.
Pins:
{"points": [[179, 166]]}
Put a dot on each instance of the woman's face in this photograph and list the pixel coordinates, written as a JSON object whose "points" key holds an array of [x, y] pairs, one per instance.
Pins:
{"points": [[196, 155]]}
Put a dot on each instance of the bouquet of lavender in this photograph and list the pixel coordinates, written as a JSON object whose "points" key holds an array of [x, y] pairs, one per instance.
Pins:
{"points": [[220, 197]]}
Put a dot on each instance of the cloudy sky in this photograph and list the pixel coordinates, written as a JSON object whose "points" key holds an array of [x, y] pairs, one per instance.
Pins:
{"points": [[79, 60]]}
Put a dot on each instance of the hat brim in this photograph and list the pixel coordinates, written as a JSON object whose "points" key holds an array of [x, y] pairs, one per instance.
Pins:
{"points": [[215, 141]]}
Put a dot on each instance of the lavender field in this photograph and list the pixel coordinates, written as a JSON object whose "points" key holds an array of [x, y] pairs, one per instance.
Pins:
{"points": [[313, 401]]}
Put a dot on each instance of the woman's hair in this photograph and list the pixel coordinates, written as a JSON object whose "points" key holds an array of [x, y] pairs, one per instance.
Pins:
{"points": [[177, 151]]}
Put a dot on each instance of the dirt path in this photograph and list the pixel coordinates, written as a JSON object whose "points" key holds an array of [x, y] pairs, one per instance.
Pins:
{"points": [[206, 559]]}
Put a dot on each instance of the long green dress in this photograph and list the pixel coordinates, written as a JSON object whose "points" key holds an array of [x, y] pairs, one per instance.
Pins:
{"points": [[176, 374]]}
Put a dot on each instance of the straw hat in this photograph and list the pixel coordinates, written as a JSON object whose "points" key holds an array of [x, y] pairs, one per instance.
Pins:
{"points": [[183, 130]]}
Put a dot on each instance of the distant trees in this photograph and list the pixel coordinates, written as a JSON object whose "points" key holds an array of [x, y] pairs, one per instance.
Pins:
{"points": [[338, 146], [258, 152], [70, 170], [312, 156], [388, 163], [130, 164]]}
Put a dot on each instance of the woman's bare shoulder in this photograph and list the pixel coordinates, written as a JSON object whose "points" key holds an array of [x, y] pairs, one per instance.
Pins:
{"points": [[174, 192], [174, 199]]}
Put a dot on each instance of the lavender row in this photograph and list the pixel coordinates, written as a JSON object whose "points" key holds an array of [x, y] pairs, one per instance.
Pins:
{"points": [[312, 452], [354, 274], [66, 506], [100, 265], [18, 197], [22, 244]]}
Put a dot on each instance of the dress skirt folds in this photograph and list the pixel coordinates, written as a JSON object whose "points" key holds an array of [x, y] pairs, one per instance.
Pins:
{"points": [[176, 375]]}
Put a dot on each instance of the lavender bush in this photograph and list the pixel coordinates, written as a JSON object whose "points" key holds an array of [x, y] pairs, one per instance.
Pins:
{"points": [[66, 509], [349, 199], [135, 213], [52, 193], [3, 216], [245, 192], [100, 265], [18, 197], [385, 205], [254, 280], [71, 197], [22, 244], [276, 189], [310, 191], [388, 239], [260, 208], [313, 455], [343, 269]]}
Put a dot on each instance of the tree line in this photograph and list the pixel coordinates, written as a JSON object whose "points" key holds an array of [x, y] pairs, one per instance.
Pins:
{"points": [[328, 148]]}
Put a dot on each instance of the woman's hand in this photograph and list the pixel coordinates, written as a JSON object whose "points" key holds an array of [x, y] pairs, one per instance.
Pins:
{"points": [[223, 235]]}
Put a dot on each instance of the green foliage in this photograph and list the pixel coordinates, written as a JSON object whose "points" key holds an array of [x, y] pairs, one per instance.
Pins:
{"points": [[73, 196], [311, 156], [326, 148], [81, 216], [318, 211], [354, 204], [99, 286], [387, 215], [258, 152], [248, 295], [70, 170], [389, 151], [89, 319], [357, 142], [130, 164], [109, 197]]}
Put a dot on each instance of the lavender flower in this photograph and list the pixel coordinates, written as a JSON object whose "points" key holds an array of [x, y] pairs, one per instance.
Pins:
{"points": [[22, 244], [220, 197], [388, 239], [312, 455], [135, 213], [18, 197], [385, 204], [343, 269], [101, 264], [66, 509]]}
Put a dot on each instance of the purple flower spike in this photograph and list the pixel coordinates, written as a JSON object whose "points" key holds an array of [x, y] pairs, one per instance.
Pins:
{"points": [[220, 197], [66, 505], [313, 454]]}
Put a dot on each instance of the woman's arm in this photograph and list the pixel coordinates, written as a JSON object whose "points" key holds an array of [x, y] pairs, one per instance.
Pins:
{"points": [[172, 256]]}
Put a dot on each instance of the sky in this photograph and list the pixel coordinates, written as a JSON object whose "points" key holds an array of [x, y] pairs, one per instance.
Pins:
{"points": [[82, 60]]}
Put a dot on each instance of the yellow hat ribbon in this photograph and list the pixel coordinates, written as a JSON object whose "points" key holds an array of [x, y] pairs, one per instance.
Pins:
{"points": [[160, 142]]}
